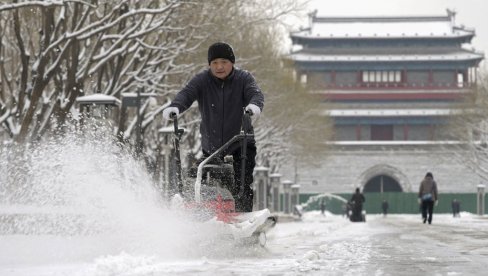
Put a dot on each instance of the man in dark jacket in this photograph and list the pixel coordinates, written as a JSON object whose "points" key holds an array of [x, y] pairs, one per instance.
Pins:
{"points": [[357, 201], [223, 92], [427, 197]]}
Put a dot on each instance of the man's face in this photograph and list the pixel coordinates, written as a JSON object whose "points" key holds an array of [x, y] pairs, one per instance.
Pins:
{"points": [[221, 67]]}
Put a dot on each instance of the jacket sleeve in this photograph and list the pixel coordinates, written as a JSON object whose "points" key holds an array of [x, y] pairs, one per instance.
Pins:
{"points": [[252, 92], [185, 98]]}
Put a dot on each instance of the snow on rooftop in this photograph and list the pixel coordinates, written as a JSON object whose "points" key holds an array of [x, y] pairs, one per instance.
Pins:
{"points": [[380, 29], [341, 27], [388, 112]]}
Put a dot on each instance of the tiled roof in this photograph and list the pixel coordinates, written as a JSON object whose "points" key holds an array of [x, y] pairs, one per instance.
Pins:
{"points": [[383, 27]]}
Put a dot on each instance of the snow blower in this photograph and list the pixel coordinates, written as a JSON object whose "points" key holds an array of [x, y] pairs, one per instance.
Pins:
{"points": [[211, 198]]}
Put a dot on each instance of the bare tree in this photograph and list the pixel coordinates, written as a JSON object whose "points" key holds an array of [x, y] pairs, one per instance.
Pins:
{"points": [[470, 128], [56, 51]]}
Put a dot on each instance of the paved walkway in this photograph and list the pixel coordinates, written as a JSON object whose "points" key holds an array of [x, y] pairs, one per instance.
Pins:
{"points": [[395, 245], [317, 245]]}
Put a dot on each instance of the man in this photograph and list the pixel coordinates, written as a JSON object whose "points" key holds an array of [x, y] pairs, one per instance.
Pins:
{"points": [[357, 201], [223, 92], [456, 208], [427, 197]]}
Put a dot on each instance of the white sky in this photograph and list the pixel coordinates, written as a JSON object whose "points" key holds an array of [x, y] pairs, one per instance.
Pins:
{"points": [[470, 13]]}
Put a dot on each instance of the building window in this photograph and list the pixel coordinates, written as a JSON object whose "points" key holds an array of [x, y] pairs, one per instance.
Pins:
{"points": [[381, 76], [378, 76], [398, 76], [371, 76], [460, 80], [381, 132], [365, 76], [391, 76]]}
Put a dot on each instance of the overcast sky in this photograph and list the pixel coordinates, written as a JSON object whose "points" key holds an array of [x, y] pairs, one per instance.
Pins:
{"points": [[470, 13]]}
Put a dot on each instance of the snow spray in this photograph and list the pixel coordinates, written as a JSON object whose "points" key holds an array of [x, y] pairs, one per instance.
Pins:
{"points": [[81, 195]]}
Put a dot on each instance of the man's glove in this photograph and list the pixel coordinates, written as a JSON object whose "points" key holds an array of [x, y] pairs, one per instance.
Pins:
{"points": [[255, 110], [419, 200], [170, 110]]}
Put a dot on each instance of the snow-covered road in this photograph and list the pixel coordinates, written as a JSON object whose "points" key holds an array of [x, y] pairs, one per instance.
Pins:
{"points": [[317, 245]]}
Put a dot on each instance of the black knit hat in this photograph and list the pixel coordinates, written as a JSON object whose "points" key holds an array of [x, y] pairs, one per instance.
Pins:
{"points": [[221, 50], [429, 174]]}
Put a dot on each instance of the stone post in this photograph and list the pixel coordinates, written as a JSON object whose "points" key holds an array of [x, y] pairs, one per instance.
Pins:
{"points": [[295, 195], [275, 192], [481, 200], [287, 196], [261, 188]]}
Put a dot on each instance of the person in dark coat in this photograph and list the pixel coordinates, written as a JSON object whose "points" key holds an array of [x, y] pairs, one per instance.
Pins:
{"points": [[357, 201], [456, 207], [427, 197], [223, 92], [384, 207]]}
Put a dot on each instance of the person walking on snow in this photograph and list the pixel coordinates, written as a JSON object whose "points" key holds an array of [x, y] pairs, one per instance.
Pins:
{"points": [[223, 92], [357, 201], [427, 197], [456, 207], [384, 207]]}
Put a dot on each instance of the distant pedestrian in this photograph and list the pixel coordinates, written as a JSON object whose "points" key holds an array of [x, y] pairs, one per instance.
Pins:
{"points": [[322, 207], [456, 208], [357, 201], [384, 207], [427, 197]]}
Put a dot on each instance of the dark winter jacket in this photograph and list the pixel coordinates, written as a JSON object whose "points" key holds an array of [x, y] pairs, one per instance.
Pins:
{"points": [[428, 186], [358, 199], [221, 104]]}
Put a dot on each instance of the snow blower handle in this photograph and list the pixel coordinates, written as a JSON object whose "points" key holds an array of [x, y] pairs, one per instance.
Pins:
{"points": [[176, 143], [246, 129], [246, 122]]}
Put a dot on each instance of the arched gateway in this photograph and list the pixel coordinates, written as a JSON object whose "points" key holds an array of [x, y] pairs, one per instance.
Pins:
{"points": [[384, 178], [382, 183]]}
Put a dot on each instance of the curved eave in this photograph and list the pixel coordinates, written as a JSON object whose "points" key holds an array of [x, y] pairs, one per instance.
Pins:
{"points": [[346, 59], [303, 39]]}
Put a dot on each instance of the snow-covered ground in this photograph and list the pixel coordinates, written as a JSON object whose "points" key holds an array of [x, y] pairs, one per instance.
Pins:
{"points": [[83, 206], [316, 245]]}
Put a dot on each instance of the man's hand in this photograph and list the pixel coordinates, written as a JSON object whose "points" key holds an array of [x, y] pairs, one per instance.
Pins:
{"points": [[436, 202], [255, 110], [419, 200], [170, 110]]}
